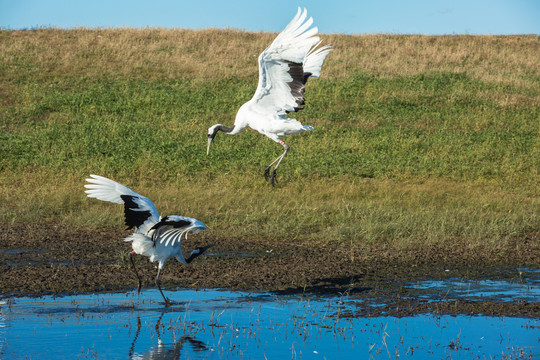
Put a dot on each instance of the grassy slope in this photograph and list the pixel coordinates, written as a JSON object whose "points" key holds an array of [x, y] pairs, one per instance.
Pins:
{"points": [[418, 140]]}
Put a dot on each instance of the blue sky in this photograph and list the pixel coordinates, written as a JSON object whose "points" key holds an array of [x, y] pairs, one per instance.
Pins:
{"points": [[331, 16]]}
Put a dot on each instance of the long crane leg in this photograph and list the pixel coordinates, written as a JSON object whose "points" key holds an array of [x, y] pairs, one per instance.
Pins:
{"points": [[158, 284], [278, 160], [130, 255]]}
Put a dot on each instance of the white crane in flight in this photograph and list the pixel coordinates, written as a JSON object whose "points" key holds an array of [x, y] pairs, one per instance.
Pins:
{"points": [[284, 68]]}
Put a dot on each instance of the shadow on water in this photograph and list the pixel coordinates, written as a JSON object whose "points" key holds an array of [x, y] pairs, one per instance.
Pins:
{"points": [[223, 324]]}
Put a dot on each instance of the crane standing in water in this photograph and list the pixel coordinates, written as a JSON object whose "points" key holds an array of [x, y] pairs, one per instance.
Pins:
{"points": [[155, 237]]}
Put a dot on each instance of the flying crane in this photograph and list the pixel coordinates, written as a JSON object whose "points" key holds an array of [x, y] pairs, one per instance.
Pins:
{"points": [[284, 68]]}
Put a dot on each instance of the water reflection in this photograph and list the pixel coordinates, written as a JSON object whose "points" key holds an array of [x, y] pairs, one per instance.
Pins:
{"points": [[221, 324], [163, 350], [3, 325]]}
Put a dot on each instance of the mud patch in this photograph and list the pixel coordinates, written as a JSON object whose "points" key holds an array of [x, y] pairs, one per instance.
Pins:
{"points": [[40, 259]]}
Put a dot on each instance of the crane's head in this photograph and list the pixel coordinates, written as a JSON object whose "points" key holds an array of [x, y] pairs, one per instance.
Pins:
{"points": [[198, 252], [212, 131]]}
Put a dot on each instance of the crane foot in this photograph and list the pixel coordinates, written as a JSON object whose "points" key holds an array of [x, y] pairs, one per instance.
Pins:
{"points": [[273, 178]]}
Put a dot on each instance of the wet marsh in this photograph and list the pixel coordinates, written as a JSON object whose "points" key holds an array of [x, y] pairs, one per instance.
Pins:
{"points": [[219, 324]]}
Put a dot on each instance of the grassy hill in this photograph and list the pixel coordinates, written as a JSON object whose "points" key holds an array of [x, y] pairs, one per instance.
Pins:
{"points": [[419, 141]]}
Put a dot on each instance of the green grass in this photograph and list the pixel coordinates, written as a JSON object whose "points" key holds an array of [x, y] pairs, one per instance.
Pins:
{"points": [[404, 159], [127, 126]]}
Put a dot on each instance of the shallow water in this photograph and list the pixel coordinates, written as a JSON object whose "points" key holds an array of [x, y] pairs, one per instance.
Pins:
{"points": [[524, 286], [221, 324]]}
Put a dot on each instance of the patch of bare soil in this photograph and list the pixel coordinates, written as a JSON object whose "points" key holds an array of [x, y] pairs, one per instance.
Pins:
{"points": [[38, 259]]}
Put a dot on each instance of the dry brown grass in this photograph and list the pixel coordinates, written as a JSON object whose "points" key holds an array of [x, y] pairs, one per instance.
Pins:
{"points": [[189, 54], [506, 59]]}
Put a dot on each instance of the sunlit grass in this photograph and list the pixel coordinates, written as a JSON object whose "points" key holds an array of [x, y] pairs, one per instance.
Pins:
{"points": [[418, 141], [320, 210]]}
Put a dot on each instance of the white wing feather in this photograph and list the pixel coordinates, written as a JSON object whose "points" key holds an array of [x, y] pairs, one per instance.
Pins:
{"points": [[298, 44], [173, 227], [104, 189], [172, 236], [314, 59]]}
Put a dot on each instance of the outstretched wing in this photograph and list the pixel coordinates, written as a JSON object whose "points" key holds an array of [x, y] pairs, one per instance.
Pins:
{"points": [[139, 211], [286, 64], [170, 229]]}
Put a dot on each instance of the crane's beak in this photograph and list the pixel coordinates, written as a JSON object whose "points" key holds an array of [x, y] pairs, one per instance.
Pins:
{"points": [[208, 147]]}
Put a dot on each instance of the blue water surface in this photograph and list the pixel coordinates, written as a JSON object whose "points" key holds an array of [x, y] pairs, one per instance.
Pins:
{"points": [[215, 324]]}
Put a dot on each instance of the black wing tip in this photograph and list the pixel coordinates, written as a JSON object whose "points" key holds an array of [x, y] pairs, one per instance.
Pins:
{"points": [[133, 218]]}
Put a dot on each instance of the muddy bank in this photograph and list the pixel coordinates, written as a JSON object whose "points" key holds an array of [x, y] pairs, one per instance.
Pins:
{"points": [[38, 259]]}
